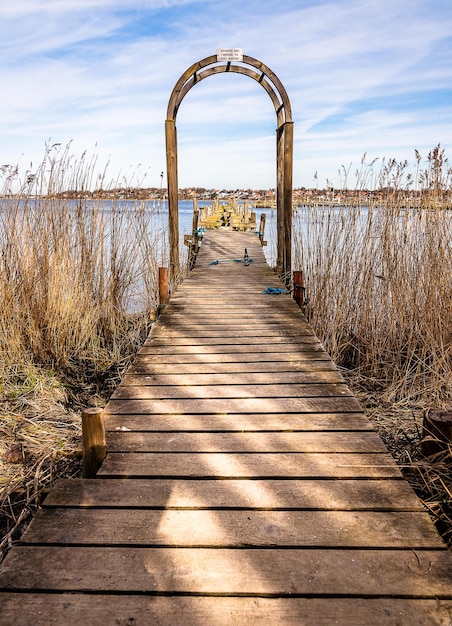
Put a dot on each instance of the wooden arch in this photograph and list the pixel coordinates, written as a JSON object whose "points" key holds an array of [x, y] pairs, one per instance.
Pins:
{"points": [[284, 148]]}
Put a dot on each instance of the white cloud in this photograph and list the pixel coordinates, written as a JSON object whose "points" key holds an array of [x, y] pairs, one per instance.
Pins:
{"points": [[359, 76]]}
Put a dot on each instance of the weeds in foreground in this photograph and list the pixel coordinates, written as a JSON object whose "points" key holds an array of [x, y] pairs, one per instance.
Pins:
{"points": [[378, 285], [77, 285]]}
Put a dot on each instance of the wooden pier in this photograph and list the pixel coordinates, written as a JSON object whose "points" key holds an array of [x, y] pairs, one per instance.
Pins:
{"points": [[242, 483]]}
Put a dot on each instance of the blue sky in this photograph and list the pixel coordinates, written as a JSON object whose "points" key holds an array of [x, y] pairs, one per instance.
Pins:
{"points": [[363, 76]]}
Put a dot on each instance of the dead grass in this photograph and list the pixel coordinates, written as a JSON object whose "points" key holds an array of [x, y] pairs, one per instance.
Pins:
{"points": [[78, 281], [378, 295]]}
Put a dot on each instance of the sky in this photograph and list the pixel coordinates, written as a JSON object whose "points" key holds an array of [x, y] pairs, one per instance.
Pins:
{"points": [[367, 79]]}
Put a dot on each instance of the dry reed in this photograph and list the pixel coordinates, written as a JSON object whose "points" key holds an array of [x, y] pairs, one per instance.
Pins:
{"points": [[77, 284], [379, 297]]}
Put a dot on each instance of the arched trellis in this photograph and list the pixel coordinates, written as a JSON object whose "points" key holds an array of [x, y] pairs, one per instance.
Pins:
{"points": [[284, 149]]}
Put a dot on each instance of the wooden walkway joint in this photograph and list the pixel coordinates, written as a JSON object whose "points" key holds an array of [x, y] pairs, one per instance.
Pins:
{"points": [[242, 483]]}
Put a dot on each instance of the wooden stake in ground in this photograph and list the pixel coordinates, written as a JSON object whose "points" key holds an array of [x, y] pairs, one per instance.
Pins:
{"points": [[437, 431], [94, 443]]}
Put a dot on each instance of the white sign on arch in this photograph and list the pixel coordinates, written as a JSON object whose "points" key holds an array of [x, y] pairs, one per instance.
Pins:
{"points": [[229, 54]]}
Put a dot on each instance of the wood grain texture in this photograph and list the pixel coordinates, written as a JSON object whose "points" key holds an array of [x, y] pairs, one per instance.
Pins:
{"points": [[305, 494], [219, 528], [230, 571], [248, 465]]}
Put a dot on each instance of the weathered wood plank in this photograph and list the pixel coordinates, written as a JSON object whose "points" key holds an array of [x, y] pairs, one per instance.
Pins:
{"points": [[264, 422], [245, 378], [80, 609], [240, 324], [370, 495], [213, 318], [225, 309], [219, 528], [144, 366], [233, 390], [148, 356], [248, 465], [367, 573], [219, 349], [361, 442], [233, 405], [250, 333], [311, 342]]}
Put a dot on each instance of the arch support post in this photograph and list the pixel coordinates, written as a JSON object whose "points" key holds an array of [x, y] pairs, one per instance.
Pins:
{"points": [[173, 201], [280, 221], [287, 199], [284, 164]]}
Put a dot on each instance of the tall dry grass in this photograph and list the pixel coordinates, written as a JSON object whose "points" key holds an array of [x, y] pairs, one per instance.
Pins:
{"points": [[379, 293], [78, 280], [378, 280]]}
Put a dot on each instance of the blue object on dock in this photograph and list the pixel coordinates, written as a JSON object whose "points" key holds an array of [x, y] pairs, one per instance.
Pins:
{"points": [[275, 290]]}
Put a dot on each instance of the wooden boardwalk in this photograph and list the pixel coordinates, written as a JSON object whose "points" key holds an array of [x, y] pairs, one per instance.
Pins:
{"points": [[242, 484]]}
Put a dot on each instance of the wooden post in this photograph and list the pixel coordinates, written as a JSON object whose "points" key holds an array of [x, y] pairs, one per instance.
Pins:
{"points": [[94, 444], [287, 201], [298, 287], [280, 222], [437, 431], [262, 228], [173, 199], [163, 286], [194, 235]]}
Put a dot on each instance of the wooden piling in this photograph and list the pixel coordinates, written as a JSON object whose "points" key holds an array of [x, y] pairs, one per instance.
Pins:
{"points": [[173, 200], [94, 443], [163, 286], [262, 228], [194, 235], [437, 431], [298, 287]]}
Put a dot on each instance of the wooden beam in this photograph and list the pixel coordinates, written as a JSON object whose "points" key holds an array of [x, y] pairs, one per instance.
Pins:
{"points": [[173, 202]]}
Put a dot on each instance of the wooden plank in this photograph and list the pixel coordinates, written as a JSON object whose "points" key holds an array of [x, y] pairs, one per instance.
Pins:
{"points": [[311, 342], [213, 317], [368, 573], [144, 366], [229, 379], [230, 528], [340, 495], [362, 442], [233, 405], [306, 390], [148, 356], [80, 609], [248, 465], [250, 332], [264, 422], [214, 324], [164, 334], [297, 348], [220, 306]]}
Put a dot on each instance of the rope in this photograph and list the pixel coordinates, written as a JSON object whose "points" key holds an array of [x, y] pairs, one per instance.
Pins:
{"points": [[275, 290]]}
